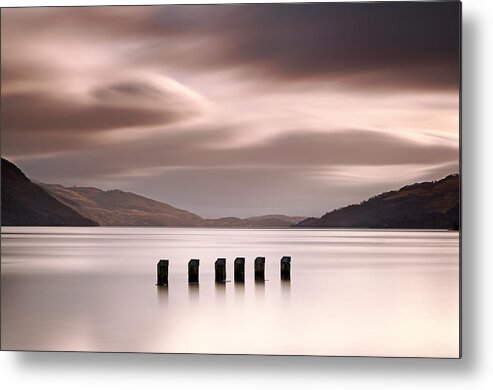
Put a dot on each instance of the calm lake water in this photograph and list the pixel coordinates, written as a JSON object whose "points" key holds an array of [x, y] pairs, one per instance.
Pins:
{"points": [[352, 292]]}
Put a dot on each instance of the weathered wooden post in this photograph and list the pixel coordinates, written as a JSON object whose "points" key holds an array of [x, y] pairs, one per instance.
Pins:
{"points": [[220, 266], [286, 268], [260, 269], [193, 271], [240, 270], [162, 272]]}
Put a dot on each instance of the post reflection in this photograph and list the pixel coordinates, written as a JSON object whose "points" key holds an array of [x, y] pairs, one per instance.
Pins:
{"points": [[286, 290], [163, 295], [239, 291], [259, 290], [193, 292], [220, 291]]}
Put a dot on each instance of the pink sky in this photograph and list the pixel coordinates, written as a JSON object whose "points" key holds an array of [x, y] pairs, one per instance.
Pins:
{"points": [[234, 109]]}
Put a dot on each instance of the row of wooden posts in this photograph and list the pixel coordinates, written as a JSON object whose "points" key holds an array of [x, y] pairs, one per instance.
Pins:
{"points": [[220, 269]]}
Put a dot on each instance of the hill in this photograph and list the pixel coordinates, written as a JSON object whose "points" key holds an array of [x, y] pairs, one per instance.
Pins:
{"points": [[427, 205], [263, 221], [25, 203], [120, 208]]}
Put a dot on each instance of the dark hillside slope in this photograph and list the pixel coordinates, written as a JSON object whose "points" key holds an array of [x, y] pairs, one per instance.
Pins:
{"points": [[24, 203], [428, 205]]}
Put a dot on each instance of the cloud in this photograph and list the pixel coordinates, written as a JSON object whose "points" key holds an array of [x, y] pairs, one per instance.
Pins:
{"points": [[381, 45], [41, 113], [417, 41], [416, 44], [182, 102], [44, 121], [346, 147], [309, 150]]}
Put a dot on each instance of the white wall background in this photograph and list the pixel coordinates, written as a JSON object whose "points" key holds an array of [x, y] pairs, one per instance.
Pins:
{"points": [[475, 370]]}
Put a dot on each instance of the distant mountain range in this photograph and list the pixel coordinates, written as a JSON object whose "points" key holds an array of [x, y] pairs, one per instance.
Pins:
{"points": [[27, 204], [31, 203], [428, 205], [120, 208]]}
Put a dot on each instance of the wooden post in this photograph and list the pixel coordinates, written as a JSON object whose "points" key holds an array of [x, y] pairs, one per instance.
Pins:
{"points": [[260, 269], [193, 271], [220, 266], [162, 272], [286, 268], [240, 270]]}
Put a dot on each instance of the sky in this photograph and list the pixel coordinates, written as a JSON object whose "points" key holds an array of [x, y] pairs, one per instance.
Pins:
{"points": [[234, 110]]}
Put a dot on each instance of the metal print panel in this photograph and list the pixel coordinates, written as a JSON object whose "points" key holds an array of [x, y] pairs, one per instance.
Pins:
{"points": [[276, 179]]}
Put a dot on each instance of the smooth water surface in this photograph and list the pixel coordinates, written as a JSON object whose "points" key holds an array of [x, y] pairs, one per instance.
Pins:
{"points": [[352, 292]]}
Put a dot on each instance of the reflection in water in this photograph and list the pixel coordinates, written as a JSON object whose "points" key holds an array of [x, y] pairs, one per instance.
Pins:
{"points": [[220, 290], [193, 293], [162, 294], [286, 290], [259, 290], [239, 291], [352, 292]]}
